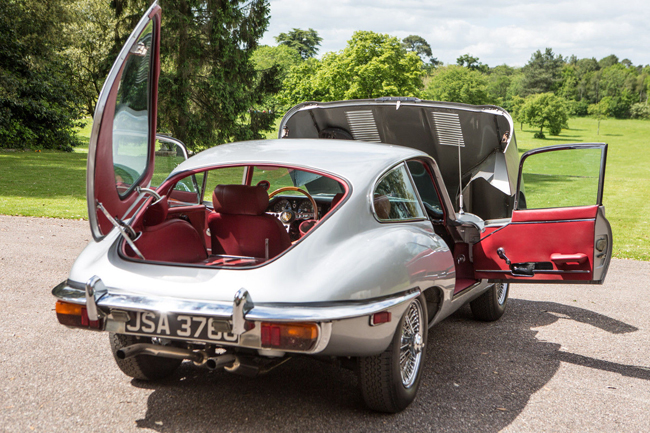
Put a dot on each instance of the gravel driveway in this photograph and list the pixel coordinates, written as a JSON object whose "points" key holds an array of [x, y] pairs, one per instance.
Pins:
{"points": [[563, 358]]}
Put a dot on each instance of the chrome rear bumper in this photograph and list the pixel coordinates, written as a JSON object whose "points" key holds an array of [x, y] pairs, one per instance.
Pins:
{"points": [[345, 327]]}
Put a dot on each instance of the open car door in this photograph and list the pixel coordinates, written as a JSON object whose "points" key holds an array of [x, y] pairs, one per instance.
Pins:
{"points": [[122, 141], [558, 232]]}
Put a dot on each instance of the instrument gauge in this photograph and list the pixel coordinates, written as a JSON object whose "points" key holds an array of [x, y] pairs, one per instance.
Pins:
{"points": [[281, 205], [306, 207]]}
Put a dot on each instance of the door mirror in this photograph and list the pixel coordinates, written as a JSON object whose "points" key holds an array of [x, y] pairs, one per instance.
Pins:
{"points": [[561, 176]]}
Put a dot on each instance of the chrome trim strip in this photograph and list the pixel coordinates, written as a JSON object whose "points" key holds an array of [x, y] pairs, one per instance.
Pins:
{"points": [[554, 221], [332, 311], [281, 312], [537, 222]]}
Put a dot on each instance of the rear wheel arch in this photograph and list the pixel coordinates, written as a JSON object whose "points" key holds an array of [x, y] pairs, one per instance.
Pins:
{"points": [[434, 298]]}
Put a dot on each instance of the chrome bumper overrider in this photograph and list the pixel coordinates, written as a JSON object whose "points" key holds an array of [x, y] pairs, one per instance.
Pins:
{"points": [[344, 325]]}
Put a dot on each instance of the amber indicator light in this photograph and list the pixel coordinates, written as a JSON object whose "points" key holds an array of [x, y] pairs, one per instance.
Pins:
{"points": [[75, 315], [289, 336]]}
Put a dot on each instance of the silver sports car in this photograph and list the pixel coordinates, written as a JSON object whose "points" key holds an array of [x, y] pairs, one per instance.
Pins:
{"points": [[364, 224]]}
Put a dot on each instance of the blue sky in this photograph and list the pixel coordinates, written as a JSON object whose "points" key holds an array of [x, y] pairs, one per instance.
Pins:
{"points": [[500, 31]]}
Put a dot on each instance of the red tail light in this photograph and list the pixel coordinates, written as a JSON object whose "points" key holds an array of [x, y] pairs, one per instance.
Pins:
{"points": [[289, 336], [75, 315]]}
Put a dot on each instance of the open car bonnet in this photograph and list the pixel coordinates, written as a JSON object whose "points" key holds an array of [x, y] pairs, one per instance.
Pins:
{"points": [[485, 134]]}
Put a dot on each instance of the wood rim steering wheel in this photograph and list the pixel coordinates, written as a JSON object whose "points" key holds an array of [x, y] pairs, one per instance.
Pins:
{"points": [[314, 206]]}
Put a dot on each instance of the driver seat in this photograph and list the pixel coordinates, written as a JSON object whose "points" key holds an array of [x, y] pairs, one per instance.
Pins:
{"points": [[239, 225]]}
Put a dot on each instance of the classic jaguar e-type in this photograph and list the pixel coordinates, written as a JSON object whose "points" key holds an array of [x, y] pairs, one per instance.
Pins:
{"points": [[365, 223]]}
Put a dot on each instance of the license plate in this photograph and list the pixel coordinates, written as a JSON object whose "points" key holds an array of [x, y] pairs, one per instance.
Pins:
{"points": [[176, 326]]}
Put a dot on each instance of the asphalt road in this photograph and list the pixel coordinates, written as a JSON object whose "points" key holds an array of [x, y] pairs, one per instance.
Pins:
{"points": [[563, 358]]}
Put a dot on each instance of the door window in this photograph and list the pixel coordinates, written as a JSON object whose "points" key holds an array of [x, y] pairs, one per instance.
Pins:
{"points": [[131, 124], [394, 198], [566, 178], [426, 189]]}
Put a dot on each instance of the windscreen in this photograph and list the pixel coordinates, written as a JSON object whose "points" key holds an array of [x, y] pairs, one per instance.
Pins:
{"points": [[280, 177]]}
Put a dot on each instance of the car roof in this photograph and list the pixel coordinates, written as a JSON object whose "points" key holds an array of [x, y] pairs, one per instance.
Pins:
{"points": [[357, 161]]}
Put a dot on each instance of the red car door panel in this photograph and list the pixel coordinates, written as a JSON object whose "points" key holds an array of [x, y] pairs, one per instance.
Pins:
{"points": [[552, 244], [562, 239]]}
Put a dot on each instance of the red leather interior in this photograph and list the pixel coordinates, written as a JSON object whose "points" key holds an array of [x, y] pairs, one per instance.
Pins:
{"points": [[156, 213], [565, 259], [183, 196], [240, 200], [336, 199], [463, 267], [531, 241], [239, 226], [556, 214], [174, 240]]}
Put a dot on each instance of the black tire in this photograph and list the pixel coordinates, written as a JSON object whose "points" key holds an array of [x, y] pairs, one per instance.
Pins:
{"points": [[143, 367], [491, 305], [380, 376]]}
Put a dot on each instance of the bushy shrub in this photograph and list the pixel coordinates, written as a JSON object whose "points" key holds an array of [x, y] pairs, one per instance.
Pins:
{"points": [[577, 108], [640, 111]]}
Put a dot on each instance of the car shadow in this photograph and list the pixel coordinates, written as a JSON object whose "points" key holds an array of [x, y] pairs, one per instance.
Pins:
{"points": [[477, 377]]}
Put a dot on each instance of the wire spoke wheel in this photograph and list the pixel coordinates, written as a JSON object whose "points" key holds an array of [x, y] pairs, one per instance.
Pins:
{"points": [[502, 292], [390, 380], [411, 344]]}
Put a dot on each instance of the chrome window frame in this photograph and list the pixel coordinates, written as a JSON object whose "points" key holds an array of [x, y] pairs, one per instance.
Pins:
{"points": [[401, 164]]}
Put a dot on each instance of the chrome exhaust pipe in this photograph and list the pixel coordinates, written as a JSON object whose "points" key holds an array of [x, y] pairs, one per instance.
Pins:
{"points": [[227, 361], [198, 357]]}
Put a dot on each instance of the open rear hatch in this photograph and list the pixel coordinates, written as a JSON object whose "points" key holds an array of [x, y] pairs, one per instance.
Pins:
{"points": [[485, 135]]}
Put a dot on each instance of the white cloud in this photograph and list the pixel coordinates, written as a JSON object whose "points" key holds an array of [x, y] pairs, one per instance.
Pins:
{"points": [[500, 31]]}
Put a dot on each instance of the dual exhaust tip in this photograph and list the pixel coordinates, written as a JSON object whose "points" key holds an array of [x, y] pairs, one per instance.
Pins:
{"points": [[230, 362]]}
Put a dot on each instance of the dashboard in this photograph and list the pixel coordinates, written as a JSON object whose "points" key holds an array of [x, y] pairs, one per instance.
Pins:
{"points": [[301, 207]]}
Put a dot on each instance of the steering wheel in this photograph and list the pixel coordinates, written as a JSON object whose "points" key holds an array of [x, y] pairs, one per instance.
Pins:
{"points": [[314, 206]]}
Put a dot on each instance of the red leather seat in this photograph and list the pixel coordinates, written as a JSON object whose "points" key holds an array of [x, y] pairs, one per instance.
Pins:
{"points": [[239, 226], [168, 240]]}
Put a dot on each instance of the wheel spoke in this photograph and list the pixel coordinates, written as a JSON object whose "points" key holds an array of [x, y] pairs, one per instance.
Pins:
{"points": [[411, 344]]}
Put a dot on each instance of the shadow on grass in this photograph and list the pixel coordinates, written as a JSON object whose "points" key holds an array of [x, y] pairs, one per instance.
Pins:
{"points": [[568, 139], [477, 377]]}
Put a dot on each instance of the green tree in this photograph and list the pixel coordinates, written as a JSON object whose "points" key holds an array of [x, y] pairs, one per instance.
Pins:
{"points": [[516, 110], [370, 66], [38, 105], [471, 62], [419, 45], [543, 73], [209, 90], [601, 110], [306, 42], [499, 80], [545, 110], [90, 33], [608, 61], [458, 84], [620, 84], [275, 62], [265, 57]]}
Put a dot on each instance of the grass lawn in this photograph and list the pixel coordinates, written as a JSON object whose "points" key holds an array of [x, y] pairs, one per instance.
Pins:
{"points": [[52, 184]]}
